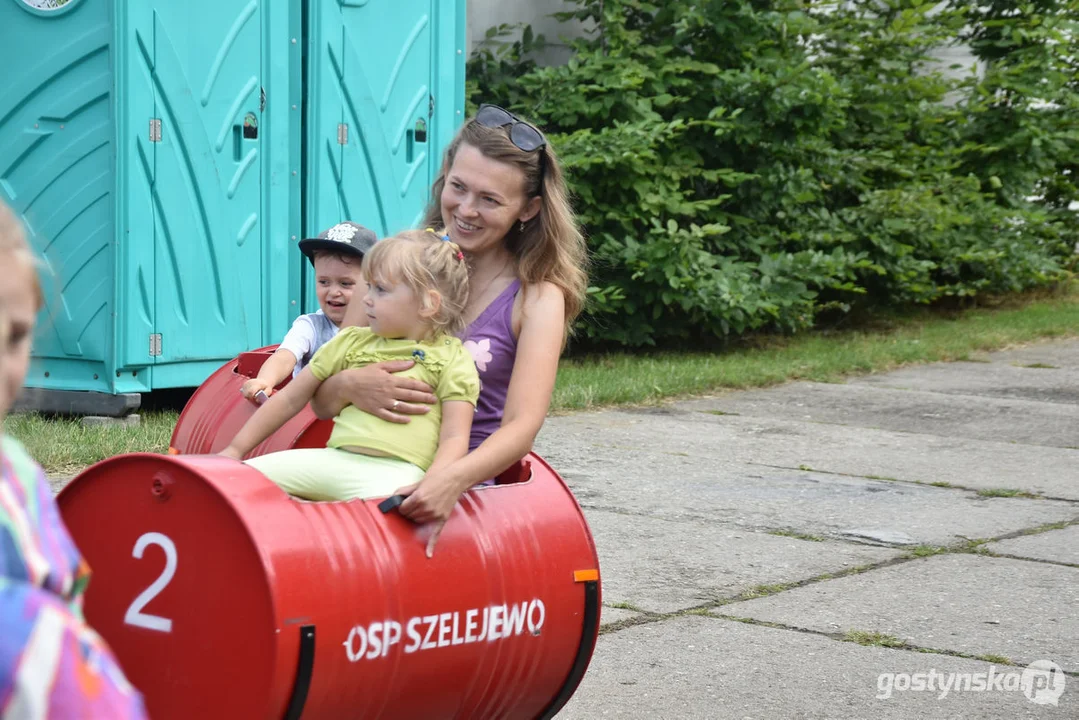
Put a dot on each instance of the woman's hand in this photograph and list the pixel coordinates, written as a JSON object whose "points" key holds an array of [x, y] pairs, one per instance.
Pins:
{"points": [[430, 501], [377, 390]]}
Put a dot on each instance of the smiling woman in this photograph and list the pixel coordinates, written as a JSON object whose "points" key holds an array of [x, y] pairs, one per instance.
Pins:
{"points": [[501, 196]]}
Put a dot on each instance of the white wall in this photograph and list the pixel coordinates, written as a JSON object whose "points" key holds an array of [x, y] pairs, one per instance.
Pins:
{"points": [[484, 14]]}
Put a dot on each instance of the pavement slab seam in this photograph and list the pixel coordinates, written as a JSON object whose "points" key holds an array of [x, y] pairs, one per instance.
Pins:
{"points": [[847, 539], [887, 642], [784, 531], [990, 553], [971, 546], [980, 492]]}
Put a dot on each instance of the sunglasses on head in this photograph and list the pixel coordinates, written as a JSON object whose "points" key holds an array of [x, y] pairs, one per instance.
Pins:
{"points": [[524, 135]]}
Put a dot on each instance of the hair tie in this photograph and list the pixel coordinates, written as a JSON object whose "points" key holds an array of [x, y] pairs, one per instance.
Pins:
{"points": [[460, 256], [446, 238]]}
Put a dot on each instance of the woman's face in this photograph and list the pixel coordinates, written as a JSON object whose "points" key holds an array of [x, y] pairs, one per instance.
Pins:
{"points": [[18, 299], [482, 199]]}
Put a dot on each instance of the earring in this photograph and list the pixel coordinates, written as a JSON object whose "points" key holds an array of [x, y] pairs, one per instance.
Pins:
{"points": [[522, 227]]}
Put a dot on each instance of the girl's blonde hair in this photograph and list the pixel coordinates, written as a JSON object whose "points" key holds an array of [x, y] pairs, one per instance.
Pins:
{"points": [[551, 246], [13, 246], [424, 262]]}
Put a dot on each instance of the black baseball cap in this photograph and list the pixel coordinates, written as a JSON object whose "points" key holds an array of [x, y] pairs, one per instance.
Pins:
{"points": [[345, 238]]}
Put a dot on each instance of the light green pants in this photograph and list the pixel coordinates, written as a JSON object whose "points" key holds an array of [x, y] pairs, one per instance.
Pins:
{"points": [[330, 474]]}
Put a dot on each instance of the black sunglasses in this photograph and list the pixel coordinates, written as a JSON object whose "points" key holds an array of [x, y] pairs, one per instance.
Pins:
{"points": [[524, 135]]}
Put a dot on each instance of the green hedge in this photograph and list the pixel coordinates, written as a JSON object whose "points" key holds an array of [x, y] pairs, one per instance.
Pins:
{"points": [[743, 165]]}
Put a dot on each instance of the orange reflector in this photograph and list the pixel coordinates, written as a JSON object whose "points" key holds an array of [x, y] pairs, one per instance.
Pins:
{"points": [[585, 575], [173, 451]]}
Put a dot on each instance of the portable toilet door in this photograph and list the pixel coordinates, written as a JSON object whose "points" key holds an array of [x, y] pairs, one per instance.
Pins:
{"points": [[385, 93], [193, 162], [57, 172]]}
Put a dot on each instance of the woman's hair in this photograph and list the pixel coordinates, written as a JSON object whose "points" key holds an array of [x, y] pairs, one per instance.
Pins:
{"points": [[551, 246], [424, 261], [13, 246]]}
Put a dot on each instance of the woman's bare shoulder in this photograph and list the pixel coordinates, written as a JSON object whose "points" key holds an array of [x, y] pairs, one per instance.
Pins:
{"points": [[543, 302], [544, 296], [540, 300]]}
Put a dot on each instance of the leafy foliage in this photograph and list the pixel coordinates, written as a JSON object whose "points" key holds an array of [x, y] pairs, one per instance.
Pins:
{"points": [[749, 164]]}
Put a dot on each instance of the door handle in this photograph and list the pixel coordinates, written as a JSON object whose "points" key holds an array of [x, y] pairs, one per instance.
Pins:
{"points": [[249, 130], [417, 134]]}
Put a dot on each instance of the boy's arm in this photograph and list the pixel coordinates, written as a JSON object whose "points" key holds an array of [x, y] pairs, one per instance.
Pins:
{"points": [[298, 341], [281, 408], [272, 372]]}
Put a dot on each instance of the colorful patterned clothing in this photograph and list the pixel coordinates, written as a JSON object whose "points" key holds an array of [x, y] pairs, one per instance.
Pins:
{"points": [[52, 665]]}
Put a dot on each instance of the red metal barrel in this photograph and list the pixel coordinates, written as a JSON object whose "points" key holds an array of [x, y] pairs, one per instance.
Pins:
{"points": [[217, 411], [224, 598]]}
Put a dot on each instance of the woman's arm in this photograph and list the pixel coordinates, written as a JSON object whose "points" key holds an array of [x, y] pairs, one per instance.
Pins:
{"points": [[374, 389], [281, 408], [273, 371], [527, 400]]}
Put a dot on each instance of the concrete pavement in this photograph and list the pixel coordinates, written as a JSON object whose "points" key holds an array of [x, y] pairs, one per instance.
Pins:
{"points": [[901, 545]]}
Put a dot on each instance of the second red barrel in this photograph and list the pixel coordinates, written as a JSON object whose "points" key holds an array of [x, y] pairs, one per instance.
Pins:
{"points": [[217, 411], [224, 598]]}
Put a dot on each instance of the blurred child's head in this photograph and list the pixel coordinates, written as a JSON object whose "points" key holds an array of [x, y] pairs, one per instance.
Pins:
{"points": [[336, 276], [5, 401], [20, 299], [417, 286], [337, 254]]}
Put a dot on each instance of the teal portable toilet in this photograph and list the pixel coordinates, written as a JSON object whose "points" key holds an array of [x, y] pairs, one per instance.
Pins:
{"points": [[167, 156]]}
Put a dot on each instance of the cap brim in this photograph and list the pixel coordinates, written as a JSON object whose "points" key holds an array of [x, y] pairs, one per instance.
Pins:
{"points": [[312, 245]]}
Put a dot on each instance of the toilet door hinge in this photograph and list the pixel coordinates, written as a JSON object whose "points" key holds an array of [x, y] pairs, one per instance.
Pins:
{"points": [[155, 345]]}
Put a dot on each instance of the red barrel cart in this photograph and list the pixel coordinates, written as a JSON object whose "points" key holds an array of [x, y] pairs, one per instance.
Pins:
{"points": [[223, 597]]}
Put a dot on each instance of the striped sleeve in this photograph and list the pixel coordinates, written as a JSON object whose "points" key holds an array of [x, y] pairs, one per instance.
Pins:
{"points": [[53, 666]]}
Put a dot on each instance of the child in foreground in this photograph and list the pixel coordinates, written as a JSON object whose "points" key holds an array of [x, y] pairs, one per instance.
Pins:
{"points": [[52, 665], [337, 256], [417, 287]]}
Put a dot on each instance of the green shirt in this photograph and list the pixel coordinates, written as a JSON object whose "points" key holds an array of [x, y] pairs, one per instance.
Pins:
{"points": [[442, 363]]}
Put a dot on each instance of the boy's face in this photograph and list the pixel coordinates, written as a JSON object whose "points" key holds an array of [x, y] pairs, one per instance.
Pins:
{"points": [[335, 279]]}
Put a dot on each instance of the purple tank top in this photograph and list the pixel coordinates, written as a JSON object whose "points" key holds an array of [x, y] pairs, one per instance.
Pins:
{"points": [[493, 346]]}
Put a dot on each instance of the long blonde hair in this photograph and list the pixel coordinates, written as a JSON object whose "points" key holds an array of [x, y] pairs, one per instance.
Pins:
{"points": [[551, 247], [424, 262]]}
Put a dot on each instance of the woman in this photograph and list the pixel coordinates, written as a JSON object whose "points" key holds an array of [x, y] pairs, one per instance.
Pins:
{"points": [[502, 197]]}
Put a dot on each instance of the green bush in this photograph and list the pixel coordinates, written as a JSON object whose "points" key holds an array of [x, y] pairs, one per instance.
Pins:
{"points": [[743, 165]]}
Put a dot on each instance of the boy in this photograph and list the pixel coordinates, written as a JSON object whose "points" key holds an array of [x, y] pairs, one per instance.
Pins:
{"points": [[337, 255]]}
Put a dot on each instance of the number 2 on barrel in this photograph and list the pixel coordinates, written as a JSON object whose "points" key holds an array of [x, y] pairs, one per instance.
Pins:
{"points": [[134, 615]]}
